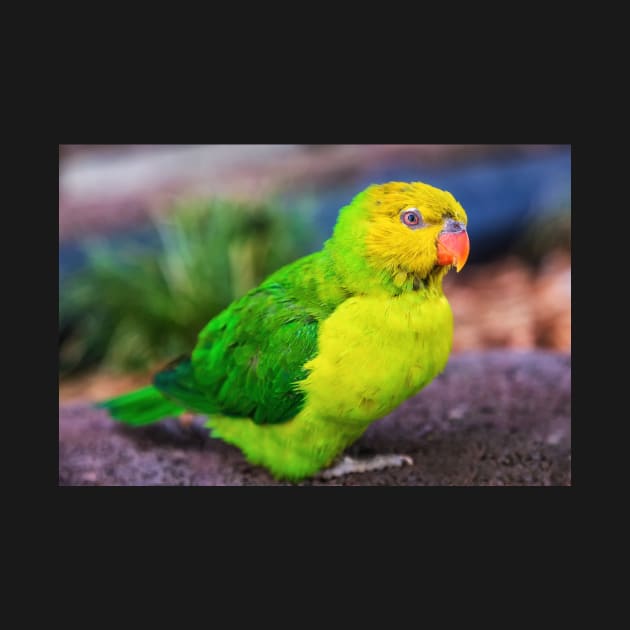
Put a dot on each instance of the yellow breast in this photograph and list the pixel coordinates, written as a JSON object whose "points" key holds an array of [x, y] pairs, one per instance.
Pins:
{"points": [[375, 352]]}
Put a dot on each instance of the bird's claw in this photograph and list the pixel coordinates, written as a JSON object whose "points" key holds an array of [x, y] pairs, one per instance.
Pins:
{"points": [[349, 465]]}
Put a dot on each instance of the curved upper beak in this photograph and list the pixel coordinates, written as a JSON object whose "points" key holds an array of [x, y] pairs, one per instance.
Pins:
{"points": [[453, 245]]}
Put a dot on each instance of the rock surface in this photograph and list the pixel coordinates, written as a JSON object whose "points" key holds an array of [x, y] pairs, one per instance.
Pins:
{"points": [[492, 418]]}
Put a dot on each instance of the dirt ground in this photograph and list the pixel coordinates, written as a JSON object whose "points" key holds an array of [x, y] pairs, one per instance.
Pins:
{"points": [[492, 418]]}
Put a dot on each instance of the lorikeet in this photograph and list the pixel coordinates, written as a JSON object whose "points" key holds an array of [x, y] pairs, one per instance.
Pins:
{"points": [[296, 370]]}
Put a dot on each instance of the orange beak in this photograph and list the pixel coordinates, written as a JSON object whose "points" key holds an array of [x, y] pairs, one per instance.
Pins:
{"points": [[453, 248]]}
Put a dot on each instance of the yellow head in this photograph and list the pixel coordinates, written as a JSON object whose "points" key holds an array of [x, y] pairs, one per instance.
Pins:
{"points": [[403, 232]]}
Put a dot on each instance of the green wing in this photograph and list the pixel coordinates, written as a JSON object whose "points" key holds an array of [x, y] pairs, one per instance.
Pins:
{"points": [[248, 359]]}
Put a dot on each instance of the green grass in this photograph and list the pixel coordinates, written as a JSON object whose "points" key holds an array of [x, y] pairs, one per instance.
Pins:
{"points": [[131, 308]]}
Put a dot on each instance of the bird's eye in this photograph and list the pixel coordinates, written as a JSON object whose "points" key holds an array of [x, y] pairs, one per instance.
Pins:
{"points": [[411, 218]]}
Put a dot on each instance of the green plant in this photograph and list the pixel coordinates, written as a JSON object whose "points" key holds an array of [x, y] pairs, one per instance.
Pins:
{"points": [[133, 307]]}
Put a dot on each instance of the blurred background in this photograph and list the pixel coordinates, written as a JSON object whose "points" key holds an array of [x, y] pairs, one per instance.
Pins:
{"points": [[154, 240]]}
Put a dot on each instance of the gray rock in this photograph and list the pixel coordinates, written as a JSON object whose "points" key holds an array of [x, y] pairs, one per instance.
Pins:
{"points": [[492, 418]]}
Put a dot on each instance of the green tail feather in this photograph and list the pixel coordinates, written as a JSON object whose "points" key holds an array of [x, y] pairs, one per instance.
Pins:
{"points": [[141, 406]]}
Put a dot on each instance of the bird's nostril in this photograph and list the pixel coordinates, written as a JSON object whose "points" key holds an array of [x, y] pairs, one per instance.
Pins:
{"points": [[454, 226]]}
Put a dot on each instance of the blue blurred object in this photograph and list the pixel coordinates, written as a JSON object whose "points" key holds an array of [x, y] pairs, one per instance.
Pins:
{"points": [[501, 198], [72, 254]]}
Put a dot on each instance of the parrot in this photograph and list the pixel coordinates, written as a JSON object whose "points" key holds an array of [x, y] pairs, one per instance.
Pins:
{"points": [[293, 372]]}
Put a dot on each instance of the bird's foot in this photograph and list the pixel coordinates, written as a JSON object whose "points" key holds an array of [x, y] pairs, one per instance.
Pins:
{"points": [[349, 465]]}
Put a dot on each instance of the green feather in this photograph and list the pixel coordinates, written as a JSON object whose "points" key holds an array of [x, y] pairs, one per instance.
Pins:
{"points": [[141, 406], [248, 359]]}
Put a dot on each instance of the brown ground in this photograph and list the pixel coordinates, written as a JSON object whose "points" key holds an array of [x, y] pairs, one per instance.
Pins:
{"points": [[509, 304], [493, 418]]}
